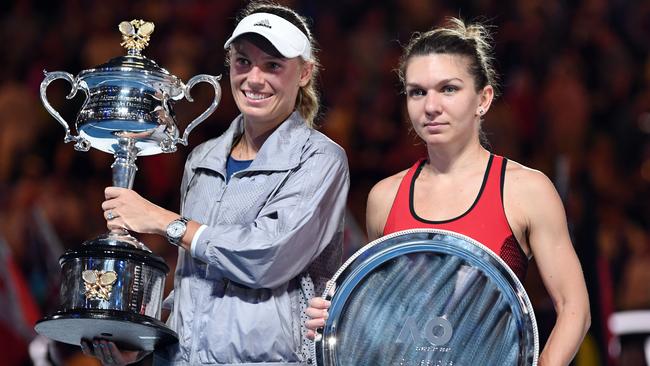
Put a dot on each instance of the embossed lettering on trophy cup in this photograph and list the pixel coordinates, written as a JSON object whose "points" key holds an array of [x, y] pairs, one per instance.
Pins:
{"points": [[112, 287]]}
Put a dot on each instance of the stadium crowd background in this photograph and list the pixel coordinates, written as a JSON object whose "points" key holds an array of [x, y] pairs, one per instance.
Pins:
{"points": [[575, 103]]}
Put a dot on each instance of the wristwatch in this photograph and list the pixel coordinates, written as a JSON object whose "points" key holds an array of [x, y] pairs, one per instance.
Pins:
{"points": [[176, 229]]}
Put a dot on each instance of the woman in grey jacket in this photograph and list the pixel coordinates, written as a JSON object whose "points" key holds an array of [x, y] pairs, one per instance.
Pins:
{"points": [[262, 211]]}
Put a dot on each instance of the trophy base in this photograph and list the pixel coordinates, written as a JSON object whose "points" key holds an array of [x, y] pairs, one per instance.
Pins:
{"points": [[127, 330]]}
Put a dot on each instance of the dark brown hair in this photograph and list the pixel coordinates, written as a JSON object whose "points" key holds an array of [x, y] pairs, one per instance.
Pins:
{"points": [[457, 38]]}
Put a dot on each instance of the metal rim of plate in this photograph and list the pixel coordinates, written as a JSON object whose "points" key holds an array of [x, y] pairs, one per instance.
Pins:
{"points": [[353, 281], [129, 331]]}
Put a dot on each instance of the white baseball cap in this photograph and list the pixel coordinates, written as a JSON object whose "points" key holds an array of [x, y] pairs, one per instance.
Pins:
{"points": [[288, 39]]}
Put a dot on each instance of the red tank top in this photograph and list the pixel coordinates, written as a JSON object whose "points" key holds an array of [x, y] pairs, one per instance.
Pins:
{"points": [[485, 221]]}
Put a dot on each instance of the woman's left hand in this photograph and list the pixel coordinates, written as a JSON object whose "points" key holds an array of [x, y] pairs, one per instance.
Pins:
{"points": [[317, 312], [108, 353], [126, 209]]}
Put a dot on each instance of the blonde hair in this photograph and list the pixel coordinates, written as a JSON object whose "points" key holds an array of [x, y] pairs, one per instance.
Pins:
{"points": [[308, 99]]}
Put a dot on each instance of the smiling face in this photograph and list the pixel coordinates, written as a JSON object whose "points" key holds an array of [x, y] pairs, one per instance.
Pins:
{"points": [[442, 101], [265, 86]]}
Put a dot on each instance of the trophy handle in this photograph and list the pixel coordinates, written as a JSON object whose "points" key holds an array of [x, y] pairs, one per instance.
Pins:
{"points": [[212, 80], [81, 144]]}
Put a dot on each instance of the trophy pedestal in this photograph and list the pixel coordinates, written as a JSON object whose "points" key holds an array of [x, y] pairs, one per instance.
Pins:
{"points": [[127, 330], [112, 288]]}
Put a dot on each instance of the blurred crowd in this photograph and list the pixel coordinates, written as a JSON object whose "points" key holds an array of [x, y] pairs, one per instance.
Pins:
{"points": [[574, 103]]}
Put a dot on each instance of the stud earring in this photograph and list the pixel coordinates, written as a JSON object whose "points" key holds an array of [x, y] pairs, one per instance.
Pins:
{"points": [[480, 111]]}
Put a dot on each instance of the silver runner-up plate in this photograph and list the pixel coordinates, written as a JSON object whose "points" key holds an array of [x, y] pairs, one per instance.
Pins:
{"points": [[427, 297]]}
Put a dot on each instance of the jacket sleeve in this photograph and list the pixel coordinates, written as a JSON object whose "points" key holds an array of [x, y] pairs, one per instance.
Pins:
{"points": [[298, 222]]}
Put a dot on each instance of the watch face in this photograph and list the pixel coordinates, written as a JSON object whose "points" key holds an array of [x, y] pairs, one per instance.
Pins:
{"points": [[176, 229]]}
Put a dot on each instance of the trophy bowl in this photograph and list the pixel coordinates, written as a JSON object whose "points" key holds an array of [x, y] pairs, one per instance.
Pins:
{"points": [[427, 297], [112, 287], [129, 97]]}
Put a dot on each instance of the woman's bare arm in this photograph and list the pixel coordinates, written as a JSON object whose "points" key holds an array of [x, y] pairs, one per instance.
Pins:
{"points": [[544, 218]]}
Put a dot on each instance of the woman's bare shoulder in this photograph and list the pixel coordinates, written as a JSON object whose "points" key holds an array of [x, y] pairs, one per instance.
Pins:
{"points": [[380, 201], [388, 186], [524, 179], [529, 190]]}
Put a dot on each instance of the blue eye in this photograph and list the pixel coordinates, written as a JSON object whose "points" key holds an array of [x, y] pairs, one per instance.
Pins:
{"points": [[416, 92], [242, 61], [273, 66], [449, 89]]}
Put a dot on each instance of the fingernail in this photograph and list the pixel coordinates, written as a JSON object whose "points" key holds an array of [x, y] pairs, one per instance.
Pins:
{"points": [[325, 314]]}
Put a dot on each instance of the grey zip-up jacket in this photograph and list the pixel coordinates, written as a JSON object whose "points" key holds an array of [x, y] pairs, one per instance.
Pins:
{"points": [[273, 238]]}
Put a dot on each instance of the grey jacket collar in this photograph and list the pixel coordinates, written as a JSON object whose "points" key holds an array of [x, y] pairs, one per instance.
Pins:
{"points": [[280, 151]]}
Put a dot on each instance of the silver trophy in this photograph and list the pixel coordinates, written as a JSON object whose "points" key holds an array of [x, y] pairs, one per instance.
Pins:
{"points": [[427, 297], [112, 287]]}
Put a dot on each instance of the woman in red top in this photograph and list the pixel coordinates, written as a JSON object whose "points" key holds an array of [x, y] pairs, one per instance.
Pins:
{"points": [[514, 210]]}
